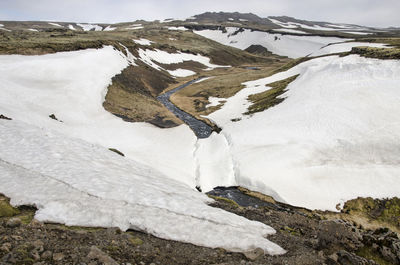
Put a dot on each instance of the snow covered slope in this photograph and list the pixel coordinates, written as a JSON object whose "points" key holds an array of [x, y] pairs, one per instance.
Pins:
{"points": [[285, 45], [335, 137], [344, 47], [72, 85], [77, 183]]}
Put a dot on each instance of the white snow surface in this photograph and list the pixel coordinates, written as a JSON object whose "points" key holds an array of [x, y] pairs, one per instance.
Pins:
{"points": [[134, 28], [109, 28], [33, 30], [215, 101], [151, 56], [144, 42], [55, 24], [335, 136], [89, 27], [285, 45], [39, 85], [357, 32], [71, 27], [181, 28], [181, 72], [76, 183], [283, 24], [344, 47], [2, 28]]}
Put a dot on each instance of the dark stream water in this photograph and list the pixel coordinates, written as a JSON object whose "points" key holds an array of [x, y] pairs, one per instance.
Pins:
{"points": [[200, 128]]}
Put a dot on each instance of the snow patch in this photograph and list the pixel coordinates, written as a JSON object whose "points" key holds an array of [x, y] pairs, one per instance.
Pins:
{"points": [[71, 27], [55, 24], [215, 101], [89, 27], [87, 185], [34, 85], [163, 57], [109, 28], [181, 72], [285, 45], [134, 28], [344, 47], [144, 42], [178, 28], [337, 129]]}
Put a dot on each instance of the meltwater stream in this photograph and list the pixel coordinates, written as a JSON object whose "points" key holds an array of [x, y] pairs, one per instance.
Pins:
{"points": [[200, 128]]}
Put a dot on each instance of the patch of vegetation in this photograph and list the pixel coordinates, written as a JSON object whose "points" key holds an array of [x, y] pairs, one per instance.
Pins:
{"points": [[257, 195], [136, 241], [371, 254], [269, 98], [6, 210], [116, 151], [378, 53], [291, 231], [386, 211], [225, 200]]}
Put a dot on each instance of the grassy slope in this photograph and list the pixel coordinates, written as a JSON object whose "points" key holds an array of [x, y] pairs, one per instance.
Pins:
{"points": [[267, 99]]}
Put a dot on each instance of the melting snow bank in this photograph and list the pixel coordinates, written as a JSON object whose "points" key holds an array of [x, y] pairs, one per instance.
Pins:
{"points": [[345, 47], [335, 136], [72, 85], [285, 45], [73, 182]]}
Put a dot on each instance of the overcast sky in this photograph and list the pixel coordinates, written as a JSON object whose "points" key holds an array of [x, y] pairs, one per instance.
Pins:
{"points": [[379, 13]]}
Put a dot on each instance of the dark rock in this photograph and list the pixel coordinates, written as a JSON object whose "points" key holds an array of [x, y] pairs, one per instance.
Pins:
{"points": [[388, 255], [38, 245], [13, 222], [335, 235], [47, 254], [52, 116], [2, 117], [6, 247], [254, 254], [58, 256], [116, 151], [97, 254], [346, 258]]}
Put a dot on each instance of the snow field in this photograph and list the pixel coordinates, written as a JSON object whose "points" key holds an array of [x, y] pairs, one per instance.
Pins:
{"points": [[344, 47], [284, 45], [74, 182], [334, 138]]}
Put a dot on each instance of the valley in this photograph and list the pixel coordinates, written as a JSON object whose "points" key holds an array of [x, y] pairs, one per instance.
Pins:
{"points": [[223, 127]]}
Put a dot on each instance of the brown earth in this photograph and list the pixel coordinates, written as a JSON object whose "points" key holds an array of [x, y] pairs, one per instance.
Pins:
{"points": [[308, 237]]}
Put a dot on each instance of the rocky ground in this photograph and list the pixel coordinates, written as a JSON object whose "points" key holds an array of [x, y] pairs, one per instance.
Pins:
{"points": [[309, 237]]}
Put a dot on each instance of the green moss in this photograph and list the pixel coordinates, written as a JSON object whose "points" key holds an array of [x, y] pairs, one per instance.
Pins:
{"points": [[112, 248], [136, 241], [378, 53], [291, 231], [6, 210], [269, 98], [27, 261], [371, 254], [386, 211], [116, 151], [225, 200]]}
